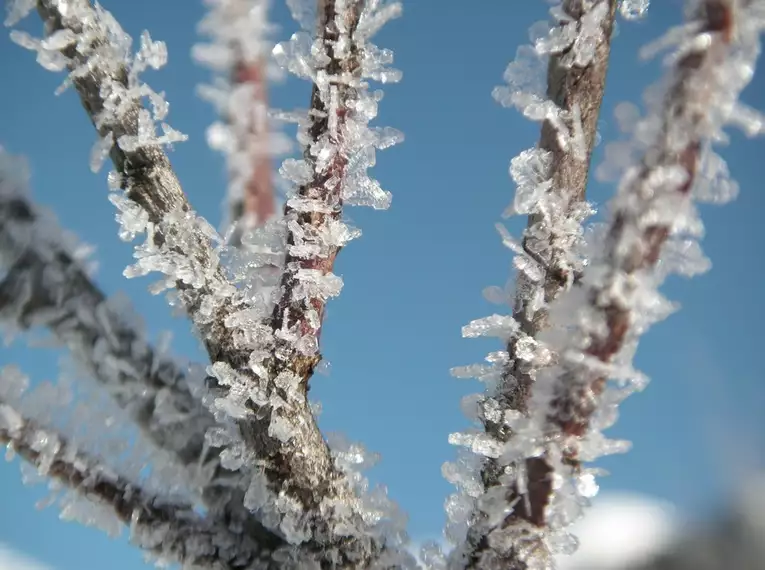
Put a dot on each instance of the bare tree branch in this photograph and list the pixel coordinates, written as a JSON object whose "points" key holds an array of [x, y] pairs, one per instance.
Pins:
{"points": [[49, 289]]}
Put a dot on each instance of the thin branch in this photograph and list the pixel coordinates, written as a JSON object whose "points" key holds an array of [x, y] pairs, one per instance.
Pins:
{"points": [[651, 206], [332, 173], [299, 310], [114, 106], [239, 54], [168, 531], [258, 203], [575, 92]]}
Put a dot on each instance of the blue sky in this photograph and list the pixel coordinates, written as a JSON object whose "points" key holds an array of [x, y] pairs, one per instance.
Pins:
{"points": [[416, 275]]}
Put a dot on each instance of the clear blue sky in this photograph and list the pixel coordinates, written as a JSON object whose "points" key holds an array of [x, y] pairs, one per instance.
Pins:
{"points": [[416, 275]]}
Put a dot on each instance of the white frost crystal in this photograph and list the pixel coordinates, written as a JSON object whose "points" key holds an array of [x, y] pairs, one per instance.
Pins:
{"points": [[634, 9]]}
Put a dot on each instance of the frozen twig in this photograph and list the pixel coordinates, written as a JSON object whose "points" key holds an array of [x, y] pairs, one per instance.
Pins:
{"points": [[239, 55], [169, 532], [552, 180], [333, 170], [653, 206]]}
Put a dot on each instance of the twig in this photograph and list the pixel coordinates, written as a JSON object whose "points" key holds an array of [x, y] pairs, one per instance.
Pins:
{"points": [[168, 531]]}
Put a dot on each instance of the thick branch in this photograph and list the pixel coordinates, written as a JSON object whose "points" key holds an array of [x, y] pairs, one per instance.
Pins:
{"points": [[146, 172]]}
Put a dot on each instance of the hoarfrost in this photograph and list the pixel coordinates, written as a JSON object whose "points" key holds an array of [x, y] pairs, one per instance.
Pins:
{"points": [[579, 372], [634, 9]]}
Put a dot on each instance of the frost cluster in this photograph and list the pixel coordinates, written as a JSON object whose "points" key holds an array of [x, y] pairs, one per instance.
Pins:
{"points": [[339, 147]]}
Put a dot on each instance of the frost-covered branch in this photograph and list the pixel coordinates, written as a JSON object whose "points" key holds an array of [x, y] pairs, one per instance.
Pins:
{"points": [[88, 42], [594, 328], [239, 55], [168, 531], [46, 284], [339, 147], [92, 45], [551, 180], [653, 224]]}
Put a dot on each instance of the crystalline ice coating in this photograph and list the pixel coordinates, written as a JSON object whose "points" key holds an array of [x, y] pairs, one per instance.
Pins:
{"points": [[100, 152], [297, 171], [502, 326], [634, 9], [529, 171], [10, 420]]}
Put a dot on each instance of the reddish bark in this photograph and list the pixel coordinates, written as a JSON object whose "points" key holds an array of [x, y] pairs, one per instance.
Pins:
{"points": [[258, 201]]}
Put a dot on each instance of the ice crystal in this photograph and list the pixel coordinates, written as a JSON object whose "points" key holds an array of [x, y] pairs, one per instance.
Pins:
{"points": [[634, 9]]}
